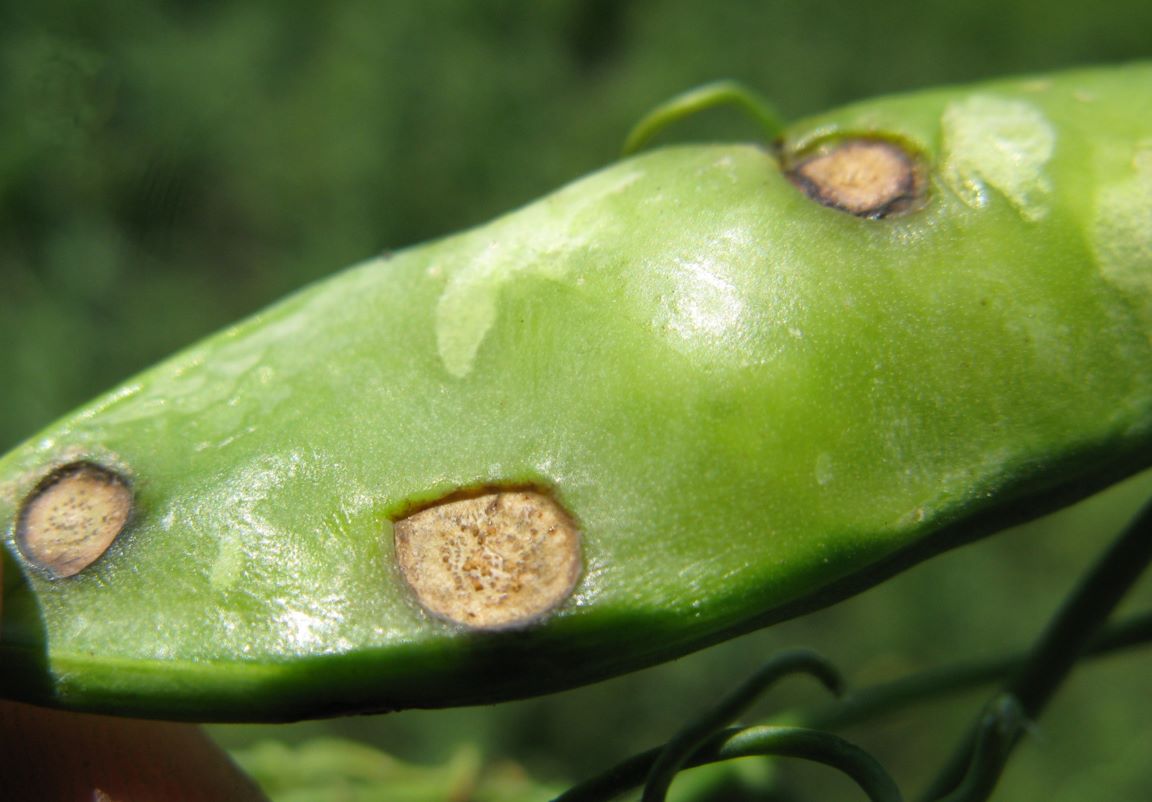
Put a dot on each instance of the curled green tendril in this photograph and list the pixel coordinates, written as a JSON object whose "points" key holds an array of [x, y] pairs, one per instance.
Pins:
{"points": [[703, 741], [689, 739], [798, 742], [720, 93]]}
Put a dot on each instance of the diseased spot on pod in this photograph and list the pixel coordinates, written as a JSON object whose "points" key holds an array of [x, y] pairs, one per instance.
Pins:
{"points": [[497, 560], [866, 177], [72, 517]]}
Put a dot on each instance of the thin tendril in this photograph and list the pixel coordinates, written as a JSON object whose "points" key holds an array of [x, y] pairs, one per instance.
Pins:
{"points": [[720, 93]]}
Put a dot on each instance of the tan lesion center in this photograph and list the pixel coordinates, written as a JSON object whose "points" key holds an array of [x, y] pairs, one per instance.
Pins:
{"points": [[865, 177], [72, 517], [496, 560]]}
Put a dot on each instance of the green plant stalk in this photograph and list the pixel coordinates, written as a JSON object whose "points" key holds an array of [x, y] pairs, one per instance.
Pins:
{"points": [[866, 704], [751, 404]]}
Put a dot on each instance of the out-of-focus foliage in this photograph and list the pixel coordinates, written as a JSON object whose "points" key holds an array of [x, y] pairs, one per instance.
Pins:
{"points": [[166, 167], [332, 770]]}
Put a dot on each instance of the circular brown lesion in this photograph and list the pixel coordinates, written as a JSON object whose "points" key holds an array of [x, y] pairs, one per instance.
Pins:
{"points": [[866, 177], [72, 516], [495, 560]]}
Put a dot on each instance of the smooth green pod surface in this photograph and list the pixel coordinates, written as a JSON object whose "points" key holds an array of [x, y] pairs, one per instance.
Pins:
{"points": [[721, 402]]}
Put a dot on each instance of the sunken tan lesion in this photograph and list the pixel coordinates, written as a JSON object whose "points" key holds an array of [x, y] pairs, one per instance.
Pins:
{"points": [[865, 177], [72, 516], [496, 560]]}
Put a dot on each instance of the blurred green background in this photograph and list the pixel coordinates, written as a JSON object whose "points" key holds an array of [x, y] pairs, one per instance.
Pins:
{"points": [[167, 167]]}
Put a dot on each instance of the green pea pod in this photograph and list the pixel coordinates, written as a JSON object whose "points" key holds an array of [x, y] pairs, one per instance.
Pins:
{"points": [[706, 389]]}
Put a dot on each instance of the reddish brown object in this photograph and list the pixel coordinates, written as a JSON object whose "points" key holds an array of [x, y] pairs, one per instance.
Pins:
{"points": [[53, 756]]}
